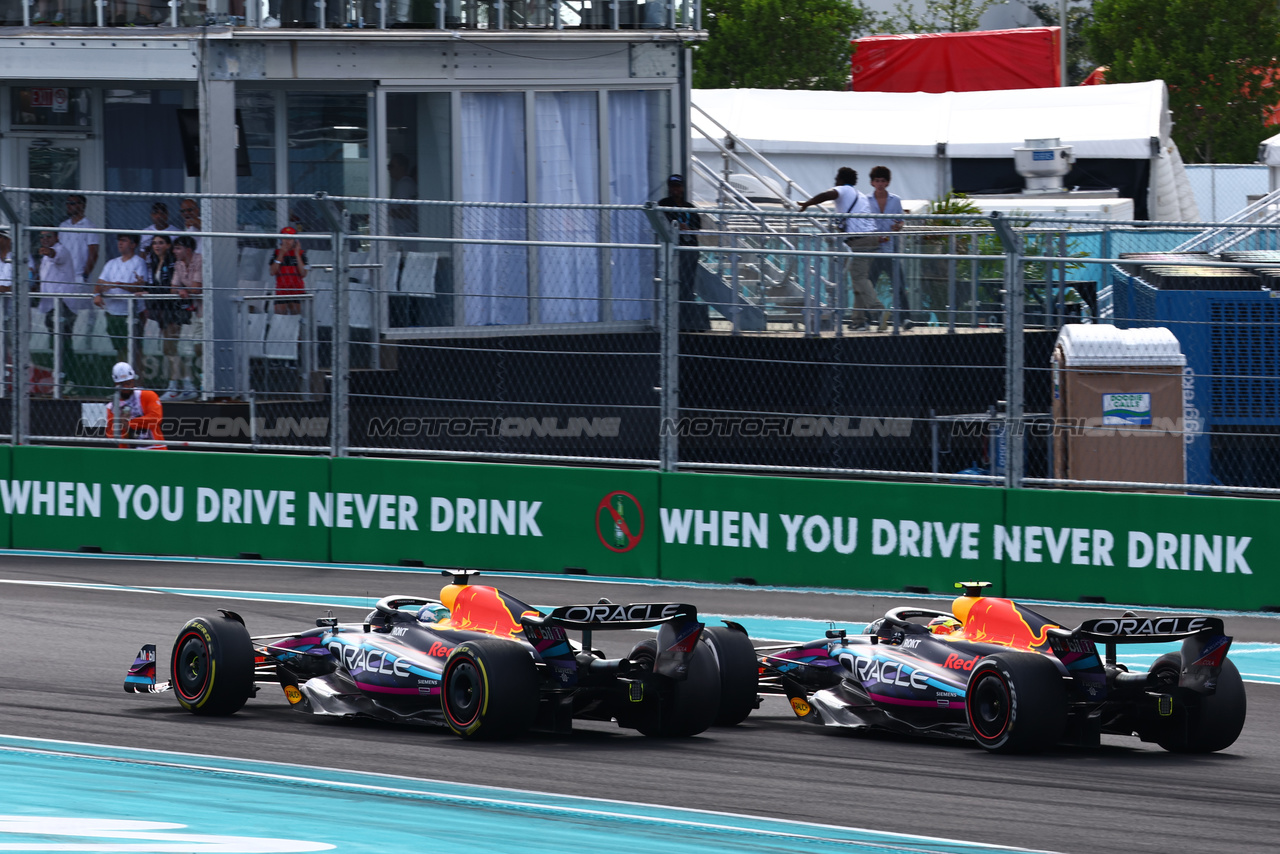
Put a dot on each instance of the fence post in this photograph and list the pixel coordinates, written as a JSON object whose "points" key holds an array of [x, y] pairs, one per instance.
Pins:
{"points": [[20, 407], [339, 406], [1014, 306], [667, 285]]}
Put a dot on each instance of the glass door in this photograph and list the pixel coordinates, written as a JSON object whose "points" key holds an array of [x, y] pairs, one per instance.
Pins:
{"points": [[52, 165]]}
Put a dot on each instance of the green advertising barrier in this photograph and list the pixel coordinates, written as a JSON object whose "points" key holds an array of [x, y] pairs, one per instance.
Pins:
{"points": [[488, 516], [6, 533], [808, 532], [1177, 550], [1172, 550], [156, 502]]}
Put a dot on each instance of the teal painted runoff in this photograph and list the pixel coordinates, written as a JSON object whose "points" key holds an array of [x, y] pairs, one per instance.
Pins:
{"points": [[98, 798]]}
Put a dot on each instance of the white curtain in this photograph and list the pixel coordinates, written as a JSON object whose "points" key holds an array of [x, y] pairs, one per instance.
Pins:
{"points": [[495, 278], [568, 152], [632, 182]]}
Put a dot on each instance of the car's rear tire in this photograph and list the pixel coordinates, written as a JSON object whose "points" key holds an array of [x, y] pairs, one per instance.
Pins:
{"points": [[1016, 702], [680, 708], [211, 667], [739, 673], [1217, 721], [489, 689]]}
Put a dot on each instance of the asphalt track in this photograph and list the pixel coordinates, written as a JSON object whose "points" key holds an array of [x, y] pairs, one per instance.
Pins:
{"points": [[66, 647]]}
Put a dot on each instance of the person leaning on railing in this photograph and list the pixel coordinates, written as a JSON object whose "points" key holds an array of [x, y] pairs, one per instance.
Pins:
{"points": [[120, 277], [140, 407]]}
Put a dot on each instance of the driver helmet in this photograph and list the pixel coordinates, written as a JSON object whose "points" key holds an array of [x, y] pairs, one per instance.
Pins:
{"points": [[432, 613], [945, 625]]}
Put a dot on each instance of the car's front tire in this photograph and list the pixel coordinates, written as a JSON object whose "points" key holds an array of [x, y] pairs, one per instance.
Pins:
{"points": [[1016, 702], [489, 689], [211, 668]]}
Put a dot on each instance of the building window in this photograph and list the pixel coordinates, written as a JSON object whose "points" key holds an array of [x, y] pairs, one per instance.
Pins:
{"points": [[142, 152], [328, 145], [495, 278], [50, 107], [257, 111], [639, 162], [568, 173]]}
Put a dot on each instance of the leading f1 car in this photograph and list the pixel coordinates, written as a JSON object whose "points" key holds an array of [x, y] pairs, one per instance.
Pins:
{"points": [[476, 660], [996, 672]]}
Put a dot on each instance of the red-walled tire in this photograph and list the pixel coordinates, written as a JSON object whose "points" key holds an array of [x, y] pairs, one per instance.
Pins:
{"points": [[211, 668], [1016, 702], [489, 689]]}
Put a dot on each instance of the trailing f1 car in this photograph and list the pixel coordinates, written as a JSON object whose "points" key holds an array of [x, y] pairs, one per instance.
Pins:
{"points": [[1011, 680], [476, 660]]}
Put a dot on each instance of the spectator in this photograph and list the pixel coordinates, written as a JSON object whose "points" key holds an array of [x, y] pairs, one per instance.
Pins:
{"points": [[190, 210], [860, 240], [884, 202], [159, 222], [140, 411], [687, 262], [57, 276], [289, 266], [188, 284], [121, 277], [83, 245], [6, 261], [166, 311]]}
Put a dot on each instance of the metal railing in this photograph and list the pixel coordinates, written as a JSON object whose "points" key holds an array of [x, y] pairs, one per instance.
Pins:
{"points": [[347, 15], [588, 334]]}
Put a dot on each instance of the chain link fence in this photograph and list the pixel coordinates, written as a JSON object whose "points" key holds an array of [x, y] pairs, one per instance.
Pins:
{"points": [[964, 349]]}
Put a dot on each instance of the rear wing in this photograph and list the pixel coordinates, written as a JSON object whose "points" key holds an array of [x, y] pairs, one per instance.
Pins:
{"points": [[609, 616], [678, 628], [1130, 629]]}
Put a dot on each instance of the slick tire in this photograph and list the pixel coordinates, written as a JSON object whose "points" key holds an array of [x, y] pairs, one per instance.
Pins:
{"points": [[1016, 702], [1217, 721], [489, 689], [680, 708], [212, 666], [739, 673]]}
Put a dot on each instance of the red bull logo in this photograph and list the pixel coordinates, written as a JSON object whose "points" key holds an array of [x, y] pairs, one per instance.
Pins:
{"points": [[994, 620], [482, 609], [957, 662]]}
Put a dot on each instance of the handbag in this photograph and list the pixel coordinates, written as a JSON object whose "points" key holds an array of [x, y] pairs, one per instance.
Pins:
{"points": [[837, 223]]}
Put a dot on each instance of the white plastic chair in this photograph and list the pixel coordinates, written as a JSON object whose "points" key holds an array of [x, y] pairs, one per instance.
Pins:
{"points": [[419, 276], [282, 337], [41, 341]]}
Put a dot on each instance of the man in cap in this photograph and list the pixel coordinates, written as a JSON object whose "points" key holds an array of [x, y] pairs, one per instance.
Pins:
{"points": [[692, 316], [140, 407]]}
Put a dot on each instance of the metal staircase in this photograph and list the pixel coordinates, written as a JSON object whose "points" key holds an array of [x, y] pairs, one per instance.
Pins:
{"points": [[749, 195], [1240, 231]]}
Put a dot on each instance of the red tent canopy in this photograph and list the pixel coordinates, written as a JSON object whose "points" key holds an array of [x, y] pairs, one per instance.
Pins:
{"points": [[1025, 58]]}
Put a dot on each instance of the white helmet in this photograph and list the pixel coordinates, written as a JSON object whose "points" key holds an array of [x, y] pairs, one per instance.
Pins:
{"points": [[122, 373]]}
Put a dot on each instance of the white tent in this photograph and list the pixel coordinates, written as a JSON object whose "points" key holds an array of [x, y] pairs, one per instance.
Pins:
{"points": [[1269, 156], [808, 135]]}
